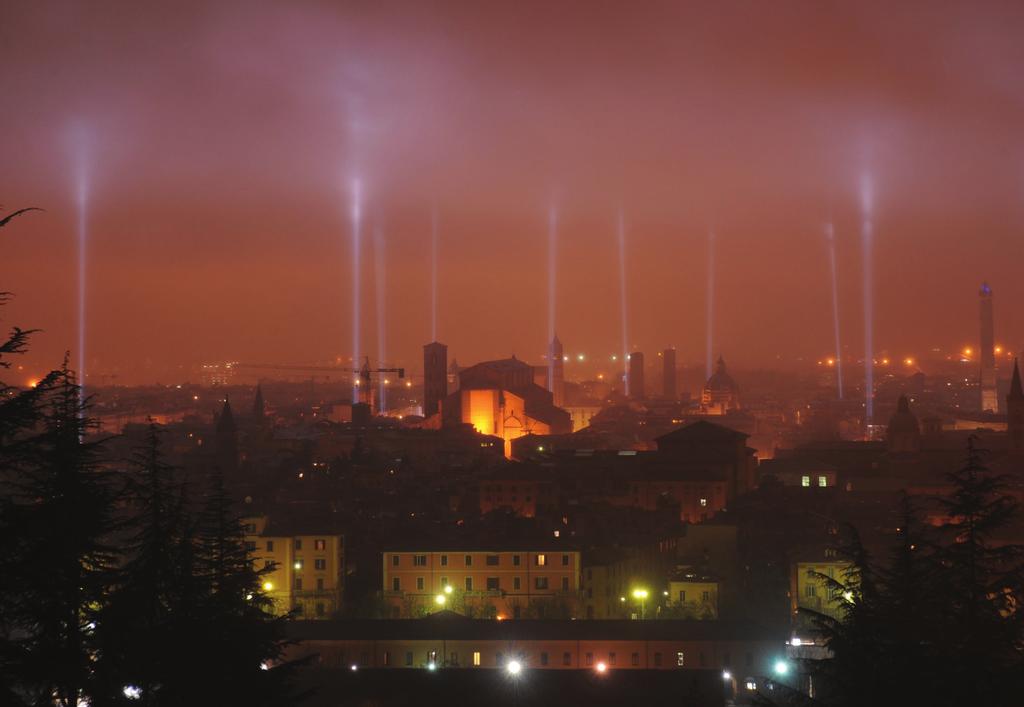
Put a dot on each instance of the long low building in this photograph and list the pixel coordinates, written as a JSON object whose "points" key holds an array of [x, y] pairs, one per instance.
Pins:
{"points": [[740, 649]]}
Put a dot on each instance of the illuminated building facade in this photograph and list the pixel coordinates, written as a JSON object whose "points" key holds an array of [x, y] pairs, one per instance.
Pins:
{"points": [[811, 591], [637, 390], [989, 398], [696, 596], [720, 394], [505, 584], [501, 398], [307, 568], [435, 377]]}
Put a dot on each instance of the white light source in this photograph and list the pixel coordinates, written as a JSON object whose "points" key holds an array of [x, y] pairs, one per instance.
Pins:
{"points": [[781, 667], [132, 692], [726, 675], [795, 641], [601, 667], [431, 665], [354, 667], [514, 667]]}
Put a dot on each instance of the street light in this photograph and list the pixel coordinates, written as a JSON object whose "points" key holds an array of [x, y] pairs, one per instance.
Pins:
{"points": [[514, 667], [726, 675], [781, 667], [440, 599], [447, 589], [641, 596], [601, 667]]}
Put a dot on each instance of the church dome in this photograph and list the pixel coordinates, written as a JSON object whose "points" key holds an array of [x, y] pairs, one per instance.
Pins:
{"points": [[904, 433], [720, 380]]}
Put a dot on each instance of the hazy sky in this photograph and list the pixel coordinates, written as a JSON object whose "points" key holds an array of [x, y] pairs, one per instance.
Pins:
{"points": [[216, 144]]}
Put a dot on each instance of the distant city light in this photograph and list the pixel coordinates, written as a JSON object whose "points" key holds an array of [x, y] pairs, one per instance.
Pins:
{"points": [[580, 357]]}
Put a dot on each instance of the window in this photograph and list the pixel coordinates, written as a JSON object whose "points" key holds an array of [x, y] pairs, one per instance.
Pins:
{"points": [[635, 659], [540, 583], [611, 658], [516, 584], [811, 590], [319, 608], [320, 584], [566, 658], [590, 658], [492, 584], [682, 596], [491, 561], [268, 564], [444, 560], [469, 584], [270, 546], [476, 658], [469, 560], [805, 481], [386, 658], [705, 595], [419, 584], [394, 560], [298, 584], [408, 658], [704, 502], [320, 564], [419, 560], [515, 560], [565, 560], [680, 659], [565, 584], [543, 658], [823, 481], [396, 584], [250, 546], [657, 660], [319, 544], [298, 543], [540, 560]]}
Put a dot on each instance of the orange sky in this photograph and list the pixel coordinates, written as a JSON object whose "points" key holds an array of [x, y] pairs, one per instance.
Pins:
{"points": [[217, 142]]}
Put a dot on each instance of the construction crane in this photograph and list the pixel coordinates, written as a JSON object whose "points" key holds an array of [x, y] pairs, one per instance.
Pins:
{"points": [[364, 382]]}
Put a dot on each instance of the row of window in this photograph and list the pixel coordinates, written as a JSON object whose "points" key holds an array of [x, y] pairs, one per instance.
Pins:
{"points": [[432, 658], [539, 560], [493, 584], [317, 545], [319, 584], [299, 564]]}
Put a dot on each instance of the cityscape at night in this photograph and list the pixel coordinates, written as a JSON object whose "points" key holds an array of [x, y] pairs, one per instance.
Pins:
{"points": [[511, 353]]}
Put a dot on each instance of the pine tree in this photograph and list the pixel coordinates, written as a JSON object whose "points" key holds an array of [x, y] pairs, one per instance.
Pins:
{"points": [[64, 518], [240, 641], [982, 588]]}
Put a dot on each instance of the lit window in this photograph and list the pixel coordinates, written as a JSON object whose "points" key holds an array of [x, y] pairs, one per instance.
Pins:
{"points": [[805, 480], [319, 544], [823, 481], [476, 658], [704, 502], [542, 560], [680, 659]]}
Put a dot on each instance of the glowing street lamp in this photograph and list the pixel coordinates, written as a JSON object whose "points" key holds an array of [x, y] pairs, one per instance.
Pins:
{"points": [[514, 667], [601, 668], [447, 589], [440, 599], [641, 596], [268, 586], [781, 668]]}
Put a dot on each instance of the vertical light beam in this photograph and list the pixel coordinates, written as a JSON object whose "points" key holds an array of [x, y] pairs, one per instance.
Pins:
{"points": [[82, 228], [552, 291], [356, 217], [830, 237], [380, 284], [622, 300], [867, 237], [434, 237], [709, 345]]}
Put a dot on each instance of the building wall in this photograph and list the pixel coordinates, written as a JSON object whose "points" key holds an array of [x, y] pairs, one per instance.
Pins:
{"points": [[808, 591], [743, 657], [698, 597], [418, 585], [296, 582]]}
